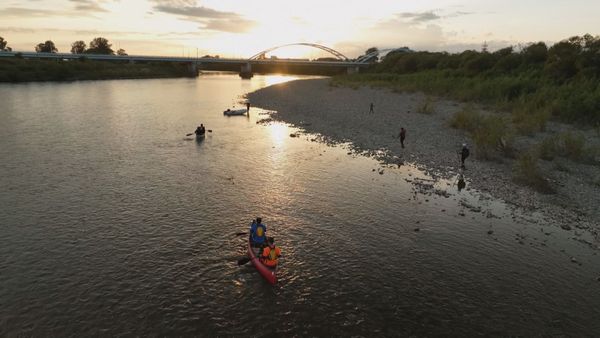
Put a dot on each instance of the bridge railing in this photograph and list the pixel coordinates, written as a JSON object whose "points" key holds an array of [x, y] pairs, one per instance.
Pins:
{"points": [[149, 58]]}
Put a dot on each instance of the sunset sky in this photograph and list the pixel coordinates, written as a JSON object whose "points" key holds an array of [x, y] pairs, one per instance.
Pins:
{"points": [[241, 28]]}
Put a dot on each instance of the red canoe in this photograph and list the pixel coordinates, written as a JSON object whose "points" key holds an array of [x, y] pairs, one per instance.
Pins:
{"points": [[268, 273]]}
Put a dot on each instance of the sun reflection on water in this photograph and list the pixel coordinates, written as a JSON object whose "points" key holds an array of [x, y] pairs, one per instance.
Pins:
{"points": [[277, 78], [278, 133]]}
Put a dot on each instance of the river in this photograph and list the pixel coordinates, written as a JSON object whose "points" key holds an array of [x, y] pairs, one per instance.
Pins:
{"points": [[114, 223]]}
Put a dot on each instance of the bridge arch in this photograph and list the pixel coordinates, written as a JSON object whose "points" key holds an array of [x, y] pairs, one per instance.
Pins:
{"points": [[331, 51]]}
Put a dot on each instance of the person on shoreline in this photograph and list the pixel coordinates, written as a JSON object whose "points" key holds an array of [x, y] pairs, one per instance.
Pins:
{"points": [[402, 136], [461, 182], [248, 106], [371, 111], [464, 153]]}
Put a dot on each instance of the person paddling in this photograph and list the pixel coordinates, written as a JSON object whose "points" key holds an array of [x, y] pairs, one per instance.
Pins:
{"points": [[270, 253], [200, 130], [258, 233]]}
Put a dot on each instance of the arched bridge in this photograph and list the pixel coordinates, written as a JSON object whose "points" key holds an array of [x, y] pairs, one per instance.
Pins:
{"points": [[331, 51], [246, 67]]}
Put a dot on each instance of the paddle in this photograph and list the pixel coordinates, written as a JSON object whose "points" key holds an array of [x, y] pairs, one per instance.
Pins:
{"points": [[190, 134], [243, 260]]}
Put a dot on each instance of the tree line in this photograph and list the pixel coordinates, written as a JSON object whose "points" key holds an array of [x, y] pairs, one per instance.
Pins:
{"points": [[534, 82], [578, 56], [3, 45], [98, 45]]}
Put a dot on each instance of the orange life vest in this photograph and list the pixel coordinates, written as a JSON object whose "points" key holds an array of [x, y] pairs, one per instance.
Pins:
{"points": [[270, 256]]}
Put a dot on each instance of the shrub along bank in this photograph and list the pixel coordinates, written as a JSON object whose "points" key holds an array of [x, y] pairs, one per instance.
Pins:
{"points": [[534, 83], [22, 70]]}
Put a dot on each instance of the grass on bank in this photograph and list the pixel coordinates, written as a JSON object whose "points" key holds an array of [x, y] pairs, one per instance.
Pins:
{"points": [[534, 82], [571, 145], [490, 133], [530, 98], [526, 171], [426, 107], [22, 70]]}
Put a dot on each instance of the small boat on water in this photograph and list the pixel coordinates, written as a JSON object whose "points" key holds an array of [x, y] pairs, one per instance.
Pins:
{"points": [[200, 137], [270, 274], [233, 112]]}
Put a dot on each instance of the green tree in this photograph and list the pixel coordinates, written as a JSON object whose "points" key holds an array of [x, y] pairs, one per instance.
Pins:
{"points": [[100, 46], [590, 56], [562, 59], [78, 47], [3, 47], [46, 47], [121, 52], [535, 53], [503, 52]]}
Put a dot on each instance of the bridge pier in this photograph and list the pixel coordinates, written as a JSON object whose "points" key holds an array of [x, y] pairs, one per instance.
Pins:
{"points": [[352, 70], [193, 69], [246, 71]]}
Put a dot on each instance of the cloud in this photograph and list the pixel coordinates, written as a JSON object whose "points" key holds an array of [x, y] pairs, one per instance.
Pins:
{"points": [[29, 12], [417, 30], [419, 17], [17, 30], [196, 12], [298, 20], [457, 14], [233, 26], [208, 18], [88, 6], [25, 12], [397, 32]]}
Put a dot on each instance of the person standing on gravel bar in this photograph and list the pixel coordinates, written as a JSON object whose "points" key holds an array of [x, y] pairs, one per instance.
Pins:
{"points": [[461, 182], [402, 136], [464, 153], [371, 111]]}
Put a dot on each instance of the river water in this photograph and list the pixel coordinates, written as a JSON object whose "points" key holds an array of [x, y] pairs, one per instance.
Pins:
{"points": [[114, 223]]}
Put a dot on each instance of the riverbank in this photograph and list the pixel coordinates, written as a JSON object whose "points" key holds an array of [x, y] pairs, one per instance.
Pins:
{"points": [[341, 114], [22, 70]]}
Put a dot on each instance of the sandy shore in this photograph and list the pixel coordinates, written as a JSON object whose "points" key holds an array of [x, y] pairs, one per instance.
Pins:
{"points": [[342, 115]]}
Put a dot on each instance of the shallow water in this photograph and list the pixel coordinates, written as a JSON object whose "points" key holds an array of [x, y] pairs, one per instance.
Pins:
{"points": [[112, 222]]}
